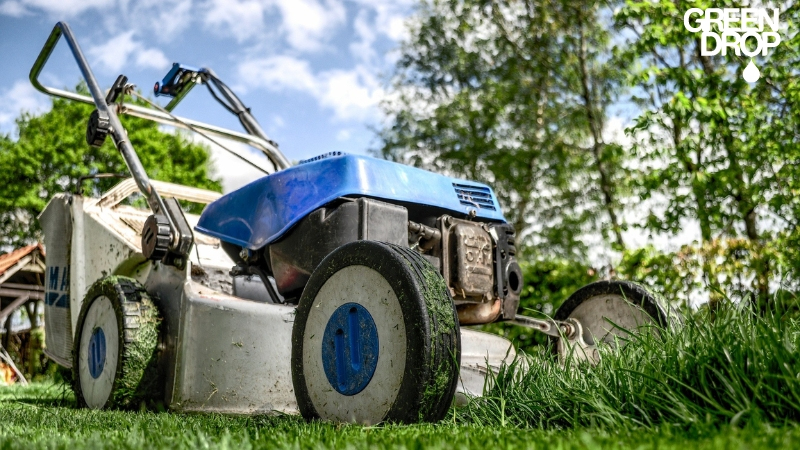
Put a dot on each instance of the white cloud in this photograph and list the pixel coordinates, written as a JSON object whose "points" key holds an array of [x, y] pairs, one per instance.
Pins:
{"points": [[351, 94], [59, 8], [343, 135], [277, 73], [305, 24], [242, 19], [13, 9], [20, 97], [390, 16], [308, 23], [155, 19], [362, 49], [117, 52], [233, 172]]}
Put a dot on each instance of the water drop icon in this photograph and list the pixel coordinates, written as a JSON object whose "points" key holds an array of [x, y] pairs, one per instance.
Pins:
{"points": [[751, 73]]}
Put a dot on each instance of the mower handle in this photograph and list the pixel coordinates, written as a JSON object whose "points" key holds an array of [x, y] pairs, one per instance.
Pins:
{"points": [[275, 156], [117, 132]]}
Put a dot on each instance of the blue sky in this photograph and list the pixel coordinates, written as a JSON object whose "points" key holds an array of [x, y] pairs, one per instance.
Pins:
{"points": [[312, 71]]}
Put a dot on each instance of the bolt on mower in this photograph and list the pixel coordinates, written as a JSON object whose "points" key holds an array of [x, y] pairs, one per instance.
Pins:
{"points": [[337, 287]]}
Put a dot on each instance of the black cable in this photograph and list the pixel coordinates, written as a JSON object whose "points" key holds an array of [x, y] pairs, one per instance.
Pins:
{"points": [[219, 100], [229, 94], [198, 131]]}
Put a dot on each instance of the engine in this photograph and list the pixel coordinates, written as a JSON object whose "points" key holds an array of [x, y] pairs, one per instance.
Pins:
{"points": [[477, 259]]}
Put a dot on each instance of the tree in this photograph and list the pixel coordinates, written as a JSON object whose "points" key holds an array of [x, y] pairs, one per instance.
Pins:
{"points": [[515, 93], [720, 151], [51, 154]]}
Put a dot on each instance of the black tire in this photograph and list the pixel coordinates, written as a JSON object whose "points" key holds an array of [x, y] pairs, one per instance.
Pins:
{"points": [[428, 330], [135, 378], [632, 293]]}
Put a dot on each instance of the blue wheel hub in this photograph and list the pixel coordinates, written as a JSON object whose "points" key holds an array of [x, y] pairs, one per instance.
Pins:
{"points": [[350, 349], [97, 352]]}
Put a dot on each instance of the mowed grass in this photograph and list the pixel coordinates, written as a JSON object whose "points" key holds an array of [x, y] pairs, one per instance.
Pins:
{"points": [[727, 380], [41, 416]]}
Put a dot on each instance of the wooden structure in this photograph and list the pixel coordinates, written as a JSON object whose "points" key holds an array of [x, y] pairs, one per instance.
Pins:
{"points": [[21, 286]]}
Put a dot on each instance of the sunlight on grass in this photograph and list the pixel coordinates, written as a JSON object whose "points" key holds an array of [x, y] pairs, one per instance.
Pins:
{"points": [[727, 381]]}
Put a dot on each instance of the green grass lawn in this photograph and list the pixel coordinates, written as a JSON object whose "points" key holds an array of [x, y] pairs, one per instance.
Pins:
{"points": [[44, 416], [726, 380]]}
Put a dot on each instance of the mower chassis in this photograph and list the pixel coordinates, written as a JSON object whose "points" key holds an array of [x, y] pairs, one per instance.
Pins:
{"points": [[219, 353]]}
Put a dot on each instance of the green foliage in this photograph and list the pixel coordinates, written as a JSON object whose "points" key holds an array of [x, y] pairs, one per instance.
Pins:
{"points": [[718, 150], [517, 93], [514, 93], [51, 154], [682, 276], [722, 367]]}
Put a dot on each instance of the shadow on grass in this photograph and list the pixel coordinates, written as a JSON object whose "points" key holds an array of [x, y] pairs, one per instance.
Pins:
{"points": [[47, 395]]}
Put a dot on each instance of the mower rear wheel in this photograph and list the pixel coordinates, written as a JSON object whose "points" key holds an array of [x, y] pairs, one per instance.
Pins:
{"points": [[375, 338], [608, 310], [115, 350]]}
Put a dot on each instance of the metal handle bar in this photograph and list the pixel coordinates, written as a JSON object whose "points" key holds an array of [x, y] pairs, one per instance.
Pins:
{"points": [[276, 157], [98, 99]]}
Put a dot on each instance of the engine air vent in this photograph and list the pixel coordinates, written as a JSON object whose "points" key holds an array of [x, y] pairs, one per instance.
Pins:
{"points": [[322, 156], [475, 196]]}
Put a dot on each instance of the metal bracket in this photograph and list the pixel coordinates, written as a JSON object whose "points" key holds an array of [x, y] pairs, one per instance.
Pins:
{"points": [[549, 327], [253, 270], [177, 83], [575, 348], [183, 231], [569, 338]]}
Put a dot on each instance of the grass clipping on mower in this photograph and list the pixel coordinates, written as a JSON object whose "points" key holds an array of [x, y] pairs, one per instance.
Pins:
{"points": [[441, 313], [138, 381]]}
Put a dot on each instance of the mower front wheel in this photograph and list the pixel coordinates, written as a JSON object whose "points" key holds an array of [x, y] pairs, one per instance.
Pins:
{"points": [[115, 350], [375, 338]]}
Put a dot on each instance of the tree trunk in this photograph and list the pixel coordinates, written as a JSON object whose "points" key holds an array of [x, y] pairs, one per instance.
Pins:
{"points": [[744, 202]]}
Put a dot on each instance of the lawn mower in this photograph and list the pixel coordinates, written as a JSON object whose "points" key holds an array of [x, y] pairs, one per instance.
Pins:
{"points": [[339, 287]]}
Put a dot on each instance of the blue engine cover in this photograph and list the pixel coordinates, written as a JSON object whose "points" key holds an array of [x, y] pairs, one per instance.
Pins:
{"points": [[259, 213]]}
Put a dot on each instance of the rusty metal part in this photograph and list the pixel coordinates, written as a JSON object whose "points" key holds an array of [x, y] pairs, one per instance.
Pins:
{"points": [[574, 347], [474, 275], [479, 313], [467, 263], [426, 237], [570, 345], [549, 326]]}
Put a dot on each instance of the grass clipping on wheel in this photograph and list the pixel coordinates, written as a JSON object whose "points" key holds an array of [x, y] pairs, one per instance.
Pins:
{"points": [[729, 367], [440, 308], [139, 380]]}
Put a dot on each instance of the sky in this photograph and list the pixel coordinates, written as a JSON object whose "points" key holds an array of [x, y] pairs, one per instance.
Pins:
{"points": [[312, 71]]}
